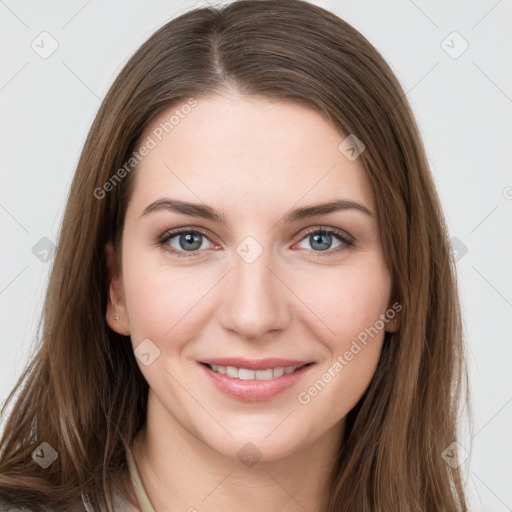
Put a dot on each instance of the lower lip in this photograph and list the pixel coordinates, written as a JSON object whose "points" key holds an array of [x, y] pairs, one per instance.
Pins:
{"points": [[254, 390]]}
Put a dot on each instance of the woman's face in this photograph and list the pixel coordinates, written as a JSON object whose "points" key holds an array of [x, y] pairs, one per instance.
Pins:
{"points": [[250, 277]]}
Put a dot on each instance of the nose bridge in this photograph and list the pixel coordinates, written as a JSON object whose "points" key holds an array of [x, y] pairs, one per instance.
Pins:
{"points": [[256, 300]]}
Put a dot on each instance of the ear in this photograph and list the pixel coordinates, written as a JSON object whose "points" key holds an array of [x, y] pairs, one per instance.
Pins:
{"points": [[116, 315], [393, 325]]}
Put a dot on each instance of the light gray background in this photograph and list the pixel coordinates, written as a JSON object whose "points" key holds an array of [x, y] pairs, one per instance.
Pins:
{"points": [[463, 106]]}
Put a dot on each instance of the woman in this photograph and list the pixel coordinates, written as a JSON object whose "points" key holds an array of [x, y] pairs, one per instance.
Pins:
{"points": [[252, 304]]}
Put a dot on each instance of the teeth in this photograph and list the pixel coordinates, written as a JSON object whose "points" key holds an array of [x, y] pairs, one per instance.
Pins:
{"points": [[279, 371], [247, 374], [231, 371], [262, 374]]}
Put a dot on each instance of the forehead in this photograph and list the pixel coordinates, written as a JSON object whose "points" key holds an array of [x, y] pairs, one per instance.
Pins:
{"points": [[253, 151]]}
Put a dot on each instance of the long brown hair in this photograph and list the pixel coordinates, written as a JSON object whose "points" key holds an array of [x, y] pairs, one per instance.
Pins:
{"points": [[83, 392]]}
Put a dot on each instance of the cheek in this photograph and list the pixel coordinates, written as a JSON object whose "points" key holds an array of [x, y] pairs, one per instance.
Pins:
{"points": [[345, 301], [337, 304], [163, 303], [339, 384], [349, 303]]}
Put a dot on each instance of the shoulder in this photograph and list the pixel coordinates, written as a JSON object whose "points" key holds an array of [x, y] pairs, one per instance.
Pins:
{"points": [[120, 505]]}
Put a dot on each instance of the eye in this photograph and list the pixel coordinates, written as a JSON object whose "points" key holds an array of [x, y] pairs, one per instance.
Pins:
{"points": [[322, 240], [187, 242], [183, 241]]}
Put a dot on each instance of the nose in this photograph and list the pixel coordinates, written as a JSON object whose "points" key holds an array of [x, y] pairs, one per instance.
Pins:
{"points": [[257, 301]]}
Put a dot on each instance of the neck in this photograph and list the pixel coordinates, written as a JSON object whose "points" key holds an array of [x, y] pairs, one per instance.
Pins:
{"points": [[181, 472]]}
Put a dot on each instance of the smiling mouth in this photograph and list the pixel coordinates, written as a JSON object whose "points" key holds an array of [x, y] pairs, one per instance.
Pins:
{"points": [[264, 381], [249, 374]]}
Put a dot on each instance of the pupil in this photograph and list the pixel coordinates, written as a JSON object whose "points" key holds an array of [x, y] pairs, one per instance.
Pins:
{"points": [[188, 240], [318, 243]]}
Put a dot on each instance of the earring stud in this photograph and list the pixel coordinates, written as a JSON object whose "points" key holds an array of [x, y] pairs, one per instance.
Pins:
{"points": [[116, 318]]}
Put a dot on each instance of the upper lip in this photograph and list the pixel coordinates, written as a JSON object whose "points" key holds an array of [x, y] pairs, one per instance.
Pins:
{"points": [[252, 364]]}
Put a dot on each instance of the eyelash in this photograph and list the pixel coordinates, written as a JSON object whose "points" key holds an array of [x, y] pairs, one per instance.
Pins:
{"points": [[346, 241]]}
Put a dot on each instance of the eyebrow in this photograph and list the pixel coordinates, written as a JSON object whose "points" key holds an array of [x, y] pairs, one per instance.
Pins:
{"points": [[207, 212]]}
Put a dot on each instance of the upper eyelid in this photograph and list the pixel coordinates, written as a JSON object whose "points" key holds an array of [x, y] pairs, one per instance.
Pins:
{"points": [[335, 231], [178, 231], [340, 233]]}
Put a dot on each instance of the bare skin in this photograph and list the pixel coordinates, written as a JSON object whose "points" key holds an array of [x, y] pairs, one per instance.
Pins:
{"points": [[254, 160]]}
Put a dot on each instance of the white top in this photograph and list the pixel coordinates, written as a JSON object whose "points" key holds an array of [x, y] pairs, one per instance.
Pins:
{"points": [[120, 505]]}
